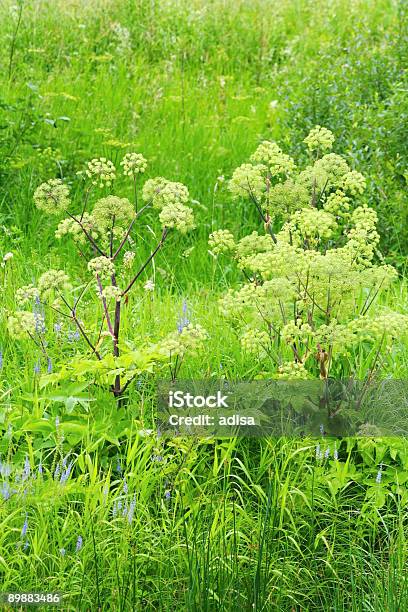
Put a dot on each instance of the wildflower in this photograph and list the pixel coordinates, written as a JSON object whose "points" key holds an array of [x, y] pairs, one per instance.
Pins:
{"points": [[27, 469], [183, 320], [149, 285], [57, 328], [37, 367], [24, 528], [379, 475], [101, 266], [335, 453], [62, 552], [319, 453], [26, 294], [255, 342], [161, 192], [53, 280], [20, 323], [5, 491], [73, 336], [112, 212], [319, 138], [79, 543], [354, 183], [177, 216], [327, 453], [131, 511], [128, 259], [49, 365], [52, 196], [248, 181], [5, 470], [112, 292], [118, 466], [133, 164], [123, 37], [66, 473], [221, 241], [101, 171], [125, 486], [277, 162], [73, 228], [167, 494], [1, 359]]}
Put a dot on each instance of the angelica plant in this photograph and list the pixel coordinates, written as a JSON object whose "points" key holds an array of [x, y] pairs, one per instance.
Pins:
{"points": [[102, 234], [314, 274]]}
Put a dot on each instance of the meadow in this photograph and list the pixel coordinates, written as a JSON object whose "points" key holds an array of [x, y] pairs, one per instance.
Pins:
{"points": [[96, 504]]}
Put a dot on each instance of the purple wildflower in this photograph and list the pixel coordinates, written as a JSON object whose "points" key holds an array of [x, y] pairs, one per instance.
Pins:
{"points": [[131, 511], [79, 543], [66, 473], [1, 359], [62, 552], [5, 470], [49, 365], [26, 470], [379, 475], [24, 528], [183, 321], [37, 367], [5, 491]]}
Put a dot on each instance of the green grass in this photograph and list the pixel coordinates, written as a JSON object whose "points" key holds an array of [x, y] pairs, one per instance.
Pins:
{"points": [[218, 524]]}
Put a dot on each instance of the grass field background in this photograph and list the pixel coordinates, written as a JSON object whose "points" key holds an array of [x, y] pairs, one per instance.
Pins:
{"points": [[194, 86]]}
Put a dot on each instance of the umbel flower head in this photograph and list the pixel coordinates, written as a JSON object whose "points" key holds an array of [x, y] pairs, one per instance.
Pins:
{"points": [[112, 293], [101, 171], [72, 228], [23, 322], [221, 241], [133, 164], [177, 216], [161, 192], [319, 138], [53, 280], [52, 197], [101, 266], [112, 212]]}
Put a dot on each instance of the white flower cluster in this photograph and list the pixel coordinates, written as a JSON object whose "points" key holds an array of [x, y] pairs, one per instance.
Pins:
{"points": [[133, 164], [52, 197], [221, 241], [319, 139], [103, 267], [101, 171], [112, 293], [177, 216]]}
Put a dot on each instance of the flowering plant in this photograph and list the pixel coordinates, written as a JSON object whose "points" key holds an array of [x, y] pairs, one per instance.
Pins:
{"points": [[101, 234], [314, 273]]}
